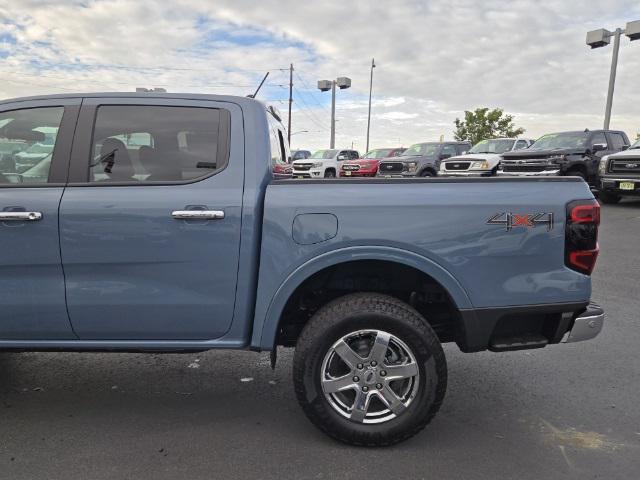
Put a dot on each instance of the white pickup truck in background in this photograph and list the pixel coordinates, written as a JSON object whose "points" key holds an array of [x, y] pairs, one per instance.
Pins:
{"points": [[323, 163], [483, 158]]}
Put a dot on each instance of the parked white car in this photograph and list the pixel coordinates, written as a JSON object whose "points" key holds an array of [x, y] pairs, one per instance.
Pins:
{"points": [[323, 163], [483, 158]]}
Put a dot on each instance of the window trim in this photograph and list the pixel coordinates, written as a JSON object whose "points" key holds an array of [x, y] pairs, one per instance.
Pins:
{"points": [[59, 169], [79, 169]]}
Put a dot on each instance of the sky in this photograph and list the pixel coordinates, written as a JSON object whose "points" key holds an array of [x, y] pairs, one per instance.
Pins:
{"points": [[434, 59]]}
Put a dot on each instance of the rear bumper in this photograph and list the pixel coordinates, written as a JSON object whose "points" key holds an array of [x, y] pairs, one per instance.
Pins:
{"points": [[587, 325], [528, 326]]}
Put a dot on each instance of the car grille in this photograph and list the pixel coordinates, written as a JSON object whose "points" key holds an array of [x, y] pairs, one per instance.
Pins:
{"points": [[390, 167], [457, 165], [523, 168], [625, 166], [302, 166], [351, 167]]}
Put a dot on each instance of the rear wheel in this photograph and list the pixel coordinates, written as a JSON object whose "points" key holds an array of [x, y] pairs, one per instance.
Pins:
{"points": [[369, 370], [607, 197]]}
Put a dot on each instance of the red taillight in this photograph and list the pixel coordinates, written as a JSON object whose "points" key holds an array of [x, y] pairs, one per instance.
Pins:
{"points": [[586, 214], [581, 235]]}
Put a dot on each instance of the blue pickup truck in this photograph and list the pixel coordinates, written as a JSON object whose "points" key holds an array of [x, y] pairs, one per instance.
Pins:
{"points": [[155, 224]]}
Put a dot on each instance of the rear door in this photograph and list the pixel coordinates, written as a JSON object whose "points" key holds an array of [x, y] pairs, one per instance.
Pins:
{"points": [[150, 222], [35, 144]]}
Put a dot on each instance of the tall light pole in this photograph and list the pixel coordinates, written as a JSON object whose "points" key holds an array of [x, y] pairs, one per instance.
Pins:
{"points": [[373, 65], [325, 86], [601, 38]]}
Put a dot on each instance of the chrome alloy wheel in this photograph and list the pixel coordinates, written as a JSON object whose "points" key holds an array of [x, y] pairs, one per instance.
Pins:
{"points": [[370, 376]]}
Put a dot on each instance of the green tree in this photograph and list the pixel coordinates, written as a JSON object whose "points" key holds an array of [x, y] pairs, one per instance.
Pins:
{"points": [[484, 123]]}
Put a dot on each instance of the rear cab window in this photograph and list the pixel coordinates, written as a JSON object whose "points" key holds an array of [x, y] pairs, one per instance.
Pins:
{"points": [[140, 144]]}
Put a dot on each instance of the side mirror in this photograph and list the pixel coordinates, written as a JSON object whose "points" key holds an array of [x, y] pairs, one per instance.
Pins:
{"points": [[625, 147], [342, 157], [598, 147], [464, 153]]}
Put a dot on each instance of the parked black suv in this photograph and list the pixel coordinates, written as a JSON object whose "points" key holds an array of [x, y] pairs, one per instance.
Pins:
{"points": [[620, 175], [565, 153], [421, 159]]}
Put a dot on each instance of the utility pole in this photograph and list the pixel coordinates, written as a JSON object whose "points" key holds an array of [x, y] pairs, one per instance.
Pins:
{"points": [[373, 65], [290, 102]]}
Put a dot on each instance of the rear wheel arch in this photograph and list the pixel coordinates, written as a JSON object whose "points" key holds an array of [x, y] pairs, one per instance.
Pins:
{"points": [[266, 331]]}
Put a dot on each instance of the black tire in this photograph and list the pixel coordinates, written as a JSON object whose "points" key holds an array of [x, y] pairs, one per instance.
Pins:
{"points": [[353, 313], [577, 173], [427, 173], [609, 198], [329, 174]]}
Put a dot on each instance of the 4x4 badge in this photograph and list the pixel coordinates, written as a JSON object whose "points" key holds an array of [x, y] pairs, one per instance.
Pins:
{"points": [[529, 220]]}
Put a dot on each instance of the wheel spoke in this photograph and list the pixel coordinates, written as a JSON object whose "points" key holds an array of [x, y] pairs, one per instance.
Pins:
{"points": [[360, 406], [391, 400], [379, 350], [347, 355], [407, 370], [334, 385]]}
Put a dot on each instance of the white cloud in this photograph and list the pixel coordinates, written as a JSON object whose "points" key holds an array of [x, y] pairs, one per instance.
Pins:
{"points": [[434, 59]]}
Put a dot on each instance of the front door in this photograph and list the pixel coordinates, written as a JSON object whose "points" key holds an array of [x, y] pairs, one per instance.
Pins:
{"points": [[35, 144], [150, 222]]}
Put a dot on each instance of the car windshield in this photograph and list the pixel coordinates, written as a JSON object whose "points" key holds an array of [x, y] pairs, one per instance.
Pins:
{"points": [[379, 153], [557, 141], [492, 146], [324, 154], [635, 145], [422, 149]]}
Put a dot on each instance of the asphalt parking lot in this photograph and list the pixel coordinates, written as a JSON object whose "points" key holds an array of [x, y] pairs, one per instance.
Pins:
{"points": [[566, 411]]}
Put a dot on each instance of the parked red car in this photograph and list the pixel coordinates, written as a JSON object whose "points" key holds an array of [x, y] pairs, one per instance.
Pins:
{"points": [[367, 166]]}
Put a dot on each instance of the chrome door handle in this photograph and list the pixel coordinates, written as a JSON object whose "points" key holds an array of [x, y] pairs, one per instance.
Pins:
{"points": [[198, 214], [20, 216]]}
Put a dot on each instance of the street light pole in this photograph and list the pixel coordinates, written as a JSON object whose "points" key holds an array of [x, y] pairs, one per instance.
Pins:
{"points": [[373, 65], [612, 77], [332, 143], [601, 38], [326, 85]]}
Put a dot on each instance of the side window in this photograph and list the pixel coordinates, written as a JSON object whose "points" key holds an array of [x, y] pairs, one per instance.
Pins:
{"points": [[599, 138], [520, 144], [462, 148], [279, 151], [139, 143], [354, 155], [617, 141], [449, 150], [344, 154], [27, 139]]}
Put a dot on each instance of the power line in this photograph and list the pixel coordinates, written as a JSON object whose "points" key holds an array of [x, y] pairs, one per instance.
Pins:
{"points": [[311, 112], [310, 91]]}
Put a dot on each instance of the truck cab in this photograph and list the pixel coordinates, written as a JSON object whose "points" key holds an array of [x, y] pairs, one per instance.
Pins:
{"points": [[575, 153], [619, 175], [421, 159], [323, 163], [483, 158]]}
